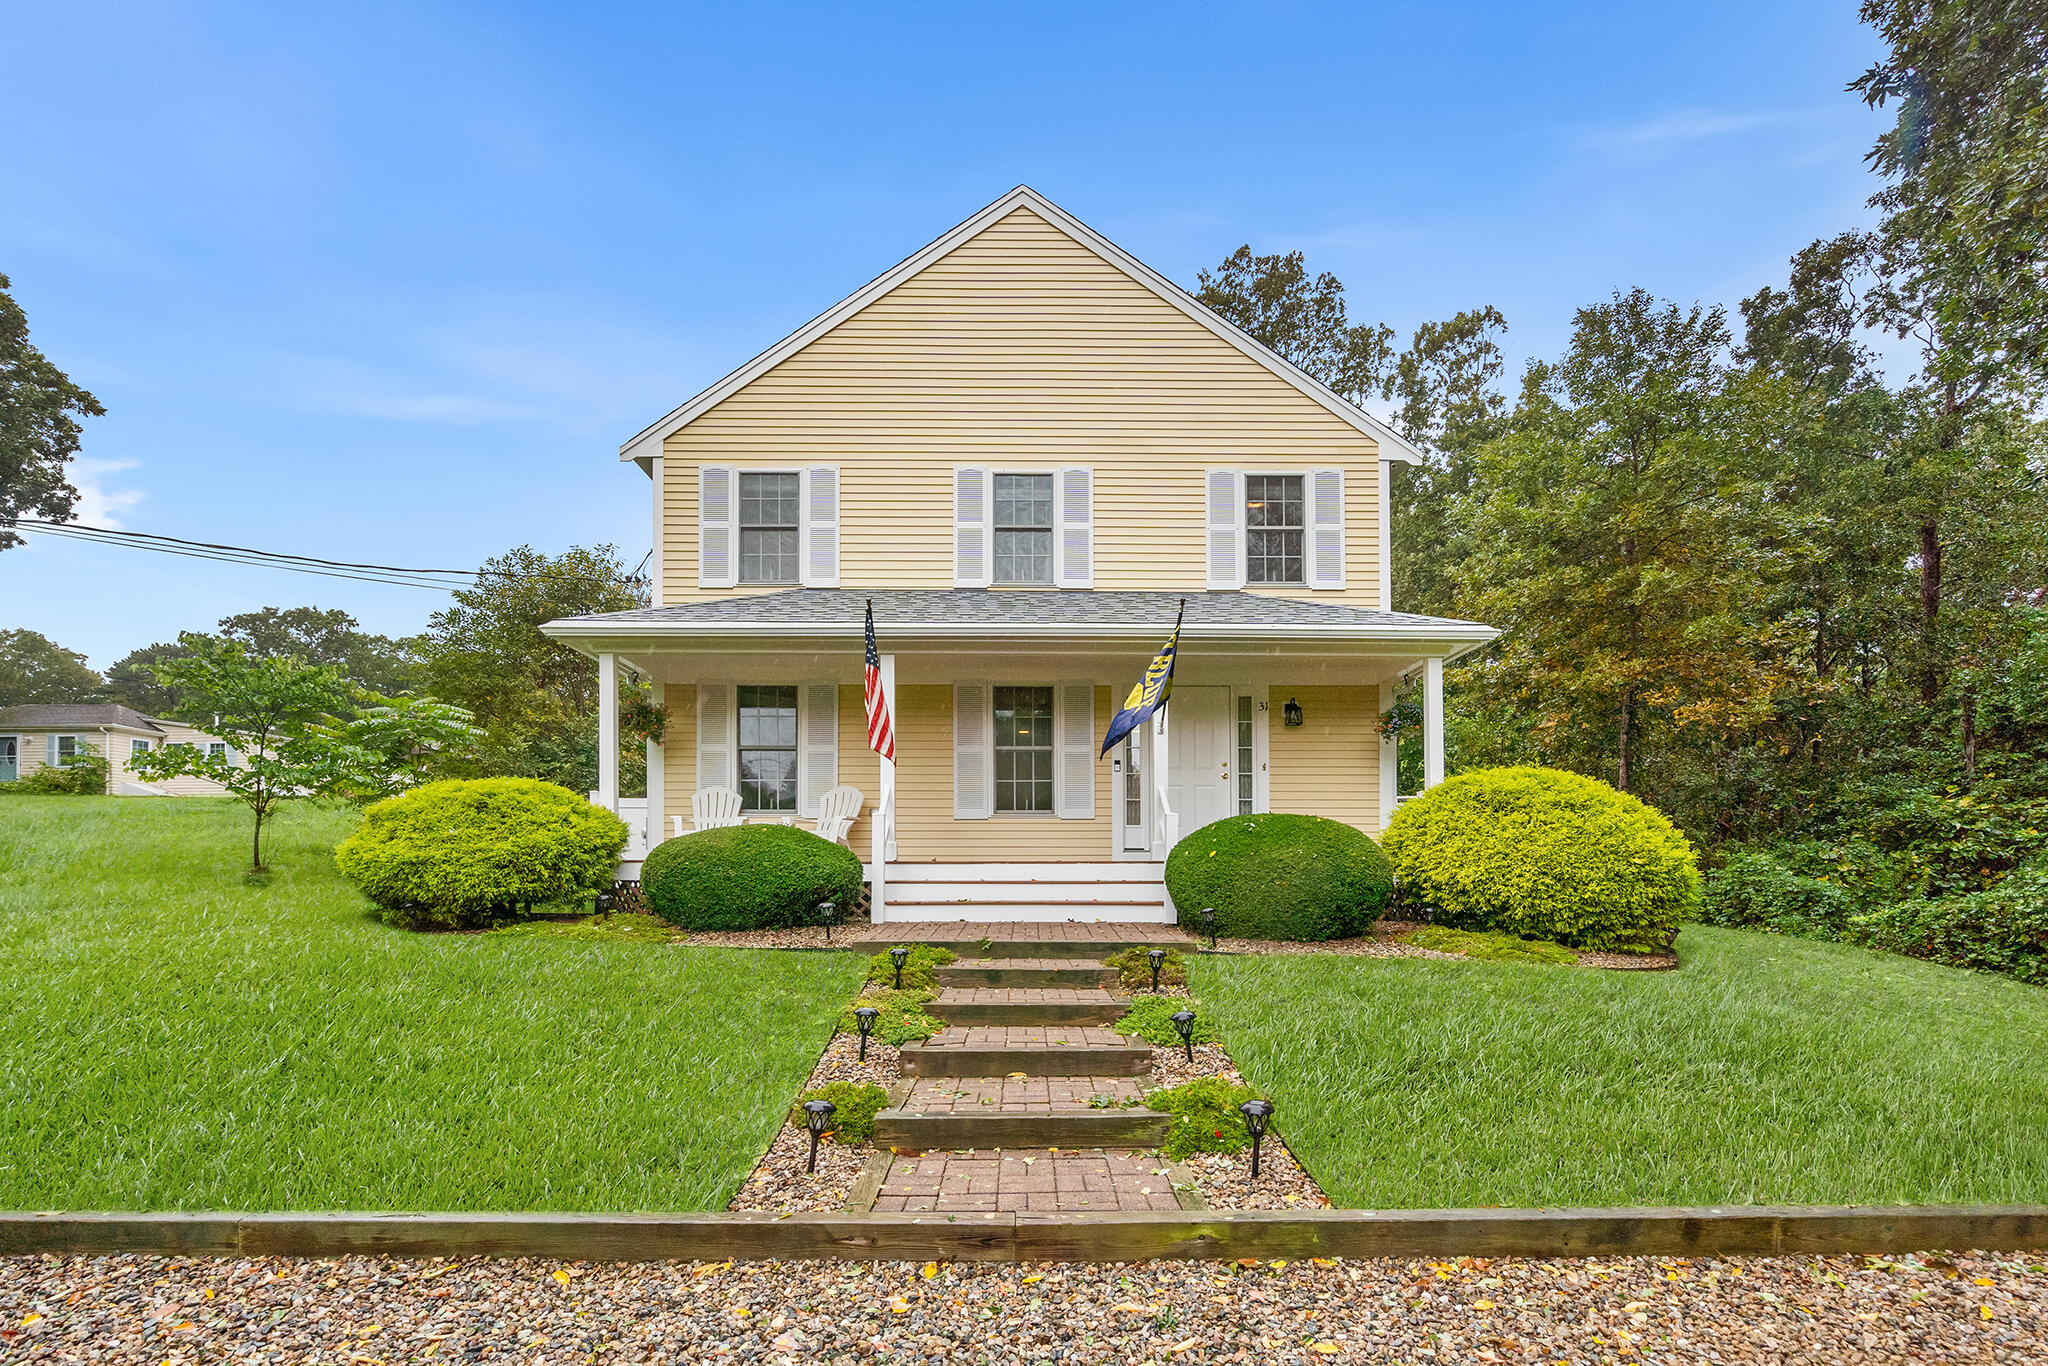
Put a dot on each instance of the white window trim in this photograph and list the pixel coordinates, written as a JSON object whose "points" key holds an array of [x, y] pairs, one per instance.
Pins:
{"points": [[1262, 720], [1058, 724], [731, 744], [803, 539], [1057, 528], [1247, 473], [18, 747], [1051, 473]]}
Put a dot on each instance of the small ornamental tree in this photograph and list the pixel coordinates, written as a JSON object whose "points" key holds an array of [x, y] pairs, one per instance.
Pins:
{"points": [[392, 745]]}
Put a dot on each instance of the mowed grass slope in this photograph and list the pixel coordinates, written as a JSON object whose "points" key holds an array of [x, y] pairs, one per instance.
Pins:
{"points": [[1766, 1070], [174, 1035]]}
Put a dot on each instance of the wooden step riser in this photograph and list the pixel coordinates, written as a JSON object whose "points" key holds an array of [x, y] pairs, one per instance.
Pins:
{"points": [[1027, 1013], [1066, 1129], [907, 909], [958, 976], [1098, 893], [917, 1061], [1029, 948]]}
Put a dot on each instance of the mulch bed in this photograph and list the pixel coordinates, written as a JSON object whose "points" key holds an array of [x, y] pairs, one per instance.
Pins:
{"points": [[1973, 1307], [806, 937], [779, 1182], [1225, 1179]]}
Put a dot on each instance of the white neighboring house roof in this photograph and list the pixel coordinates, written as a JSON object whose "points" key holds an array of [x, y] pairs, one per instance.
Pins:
{"points": [[647, 444]]}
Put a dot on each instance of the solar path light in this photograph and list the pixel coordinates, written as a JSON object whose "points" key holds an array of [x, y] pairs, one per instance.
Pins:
{"points": [[817, 1119], [1257, 1114], [899, 956], [826, 911], [1209, 924], [864, 1019], [1158, 957], [1184, 1025]]}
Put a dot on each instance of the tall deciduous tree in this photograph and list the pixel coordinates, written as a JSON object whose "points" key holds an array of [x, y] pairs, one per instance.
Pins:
{"points": [[34, 668], [1303, 320], [39, 431], [1448, 384], [379, 663]]}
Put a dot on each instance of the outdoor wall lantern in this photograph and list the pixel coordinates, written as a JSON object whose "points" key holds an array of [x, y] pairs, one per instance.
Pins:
{"points": [[1158, 957], [864, 1018], [1184, 1025], [1291, 712], [826, 910], [817, 1118], [899, 956], [1209, 924], [1257, 1114]]}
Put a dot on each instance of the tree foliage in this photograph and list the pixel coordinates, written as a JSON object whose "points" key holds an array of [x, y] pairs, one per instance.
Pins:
{"points": [[34, 668], [39, 431], [1303, 320]]}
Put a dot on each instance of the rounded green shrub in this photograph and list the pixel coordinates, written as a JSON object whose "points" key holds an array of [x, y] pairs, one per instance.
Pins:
{"points": [[853, 1121], [1279, 877], [468, 853], [748, 877], [1545, 854]]}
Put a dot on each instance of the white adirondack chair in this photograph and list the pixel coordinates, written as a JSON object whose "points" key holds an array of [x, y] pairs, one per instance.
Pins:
{"points": [[837, 811], [712, 808]]}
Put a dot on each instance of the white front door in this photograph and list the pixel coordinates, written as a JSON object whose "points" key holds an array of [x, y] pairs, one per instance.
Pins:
{"points": [[1198, 776]]}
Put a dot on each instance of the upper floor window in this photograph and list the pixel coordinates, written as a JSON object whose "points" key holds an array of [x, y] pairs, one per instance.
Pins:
{"points": [[767, 748], [1023, 528], [1023, 750], [769, 518], [1274, 527], [136, 747]]}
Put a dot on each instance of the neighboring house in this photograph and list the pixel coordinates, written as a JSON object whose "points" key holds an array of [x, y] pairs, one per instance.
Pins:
{"points": [[1026, 447], [39, 736]]}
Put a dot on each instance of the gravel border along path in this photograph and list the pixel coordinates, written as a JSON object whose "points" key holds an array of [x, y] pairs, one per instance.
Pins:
{"points": [[366, 1312]]}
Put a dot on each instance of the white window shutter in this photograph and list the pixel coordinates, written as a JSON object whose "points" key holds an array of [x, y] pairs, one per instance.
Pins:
{"points": [[818, 754], [1226, 529], [973, 561], [1076, 759], [974, 766], [1074, 547], [718, 560], [1326, 529], [818, 550], [52, 760], [715, 715]]}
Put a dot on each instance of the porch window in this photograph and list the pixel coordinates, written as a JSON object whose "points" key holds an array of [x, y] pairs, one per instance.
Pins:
{"points": [[1274, 527], [1245, 797], [1023, 529], [1024, 749], [769, 512], [767, 748]]}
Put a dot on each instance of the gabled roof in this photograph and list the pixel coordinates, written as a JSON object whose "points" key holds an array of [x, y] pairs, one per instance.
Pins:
{"points": [[58, 716], [1393, 446]]}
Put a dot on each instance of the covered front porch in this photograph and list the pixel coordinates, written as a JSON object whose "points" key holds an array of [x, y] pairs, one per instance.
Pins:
{"points": [[998, 805]]}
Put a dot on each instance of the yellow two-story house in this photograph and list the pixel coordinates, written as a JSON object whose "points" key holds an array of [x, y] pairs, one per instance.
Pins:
{"points": [[1025, 447]]}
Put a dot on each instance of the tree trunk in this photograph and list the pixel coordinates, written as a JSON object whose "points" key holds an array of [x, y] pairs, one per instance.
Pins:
{"points": [[256, 843], [1969, 739], [1627, 738], [1930, 606]]}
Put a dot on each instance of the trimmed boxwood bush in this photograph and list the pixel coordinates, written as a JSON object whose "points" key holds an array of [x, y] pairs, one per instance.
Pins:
{"points": [[748, 877], [1545, 854], [468, 853], [1279, 876]]}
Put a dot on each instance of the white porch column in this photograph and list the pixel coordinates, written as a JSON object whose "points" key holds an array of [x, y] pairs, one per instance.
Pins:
{"points": [[1432, 721], [1390, 761], [1168, 829], [608, 732], [657, 782], [882, 824]]}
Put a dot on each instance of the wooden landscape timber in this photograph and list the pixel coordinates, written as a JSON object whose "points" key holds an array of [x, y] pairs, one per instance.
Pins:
{"points": [[1087, 1237]]}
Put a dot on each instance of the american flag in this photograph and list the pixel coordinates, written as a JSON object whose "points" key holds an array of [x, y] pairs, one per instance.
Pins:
{"points": [[881, 735]]}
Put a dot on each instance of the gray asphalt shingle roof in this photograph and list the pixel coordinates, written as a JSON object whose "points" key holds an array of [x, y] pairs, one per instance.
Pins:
{"points": [[837, 607], [56, 716]]}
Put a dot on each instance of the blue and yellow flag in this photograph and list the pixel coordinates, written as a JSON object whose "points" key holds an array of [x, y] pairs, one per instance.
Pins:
{"points": [[1152, 690]]}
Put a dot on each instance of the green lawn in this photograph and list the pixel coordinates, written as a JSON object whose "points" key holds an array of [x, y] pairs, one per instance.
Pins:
{"points": [[1765, 1070], [175, 1036]]}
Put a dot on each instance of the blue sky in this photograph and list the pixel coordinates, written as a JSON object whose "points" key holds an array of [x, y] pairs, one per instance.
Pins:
{"points": [[392, 283]]}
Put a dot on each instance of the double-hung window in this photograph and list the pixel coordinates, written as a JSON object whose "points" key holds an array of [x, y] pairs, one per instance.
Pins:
{"points": [[136, 747], [1274, 528], [767, 748], [218, 749], [769, 523], [1023, 529], [1024, 750]]}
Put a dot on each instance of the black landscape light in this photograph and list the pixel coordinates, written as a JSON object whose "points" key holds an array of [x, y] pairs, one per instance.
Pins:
{"points": [[899, 956], [1184, 1025], [817, 1118], [1209, 924], [826, 910], [1158, 957], [864, 1020], [1257, 1114]]}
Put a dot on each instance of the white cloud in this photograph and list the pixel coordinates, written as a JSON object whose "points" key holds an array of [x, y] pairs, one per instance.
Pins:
{"points": [[1686, 125], [101, 502]]}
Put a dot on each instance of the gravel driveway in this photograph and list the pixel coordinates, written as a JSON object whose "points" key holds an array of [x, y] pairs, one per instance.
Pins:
{"points": [[360, 1312]]}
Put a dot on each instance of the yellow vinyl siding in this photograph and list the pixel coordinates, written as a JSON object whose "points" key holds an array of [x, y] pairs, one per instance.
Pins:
{"points": [[1021, 349], [1330, 764], [678, 755], [859, 767], [925, 829]]}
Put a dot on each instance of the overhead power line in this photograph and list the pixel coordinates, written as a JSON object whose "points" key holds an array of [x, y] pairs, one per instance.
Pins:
{"points": [[442, 580]]}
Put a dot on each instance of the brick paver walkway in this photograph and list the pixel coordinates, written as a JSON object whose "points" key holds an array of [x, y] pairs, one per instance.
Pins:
{"points": [[1033, 964], [1025, 996], [976, 1182], [1028, 1036], [999, 1095]]}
